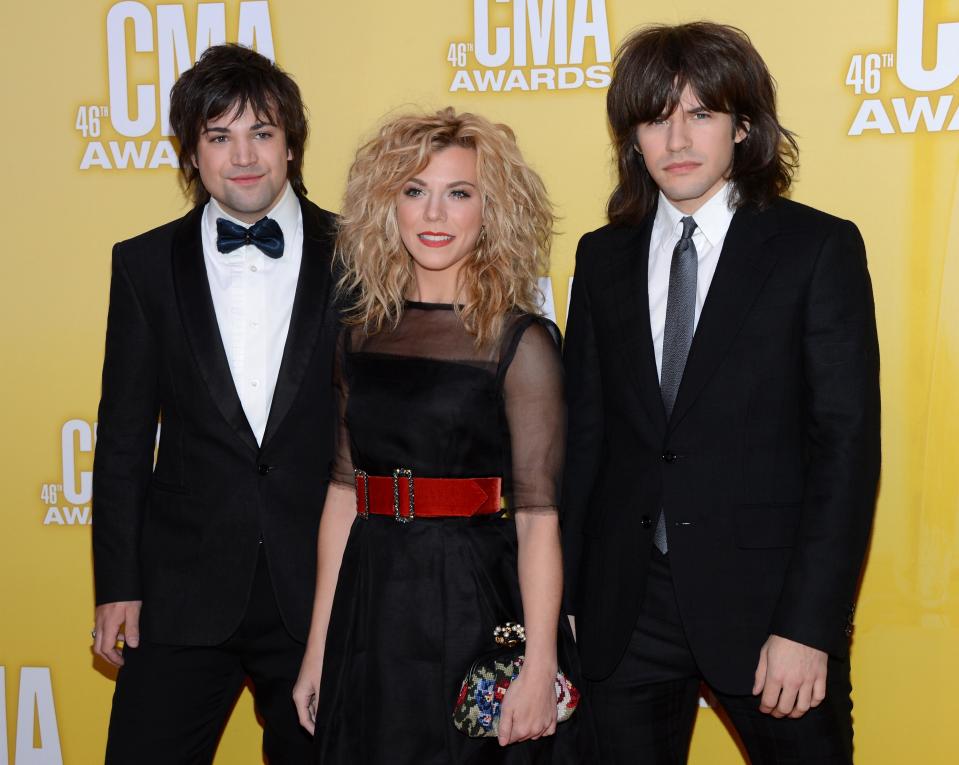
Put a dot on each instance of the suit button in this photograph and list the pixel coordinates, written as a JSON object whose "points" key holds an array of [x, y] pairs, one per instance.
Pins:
{"points": [[645, 522], [263, 469], [669, 457]]}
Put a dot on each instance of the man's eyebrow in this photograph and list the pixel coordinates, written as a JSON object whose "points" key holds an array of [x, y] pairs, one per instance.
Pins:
{"points": [[226, 129], [698, 110]]}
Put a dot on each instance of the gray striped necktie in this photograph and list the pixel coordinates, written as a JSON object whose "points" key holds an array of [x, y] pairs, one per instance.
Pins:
{"points": [[677, 333]]}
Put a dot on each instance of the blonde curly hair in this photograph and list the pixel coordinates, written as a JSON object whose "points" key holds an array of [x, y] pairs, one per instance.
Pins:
{"points": [[500, 276]]}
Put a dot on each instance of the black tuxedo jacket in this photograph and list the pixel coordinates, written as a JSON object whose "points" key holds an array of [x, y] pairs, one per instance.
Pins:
{"points": [[184, 536], [767, 469]]}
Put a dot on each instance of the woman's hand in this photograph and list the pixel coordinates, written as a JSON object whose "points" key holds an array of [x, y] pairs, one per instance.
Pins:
{"points": [[306, 691], [339, 512], [529, 707]]}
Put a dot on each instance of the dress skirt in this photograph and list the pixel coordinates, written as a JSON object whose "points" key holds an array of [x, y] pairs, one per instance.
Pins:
{"points": [[415, 605]]}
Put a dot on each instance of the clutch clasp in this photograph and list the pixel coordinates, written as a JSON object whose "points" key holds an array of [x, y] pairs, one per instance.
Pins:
{"points": [[510, 634]]}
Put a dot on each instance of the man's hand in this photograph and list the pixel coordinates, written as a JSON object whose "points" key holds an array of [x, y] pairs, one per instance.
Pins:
{"points": [[791, 677], [109, 618]]}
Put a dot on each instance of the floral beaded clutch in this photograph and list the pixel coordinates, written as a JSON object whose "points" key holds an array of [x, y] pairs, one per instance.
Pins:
{"points": [[480, 700]]}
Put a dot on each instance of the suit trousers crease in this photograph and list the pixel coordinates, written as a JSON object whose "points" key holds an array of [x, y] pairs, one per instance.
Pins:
{"points": [[171, 703], [646, 709]]}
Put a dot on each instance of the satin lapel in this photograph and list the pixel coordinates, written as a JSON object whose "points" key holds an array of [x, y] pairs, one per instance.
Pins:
{"points": [[199, 321], [743, 267], [630, 277], [309, 309]]}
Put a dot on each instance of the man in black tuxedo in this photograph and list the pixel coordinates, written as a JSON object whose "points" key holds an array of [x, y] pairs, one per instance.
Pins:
{"points": [[722, 381], [221, 325]]}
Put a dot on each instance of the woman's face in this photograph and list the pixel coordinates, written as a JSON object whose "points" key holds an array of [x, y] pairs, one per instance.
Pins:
{"points": [[440, 215]]}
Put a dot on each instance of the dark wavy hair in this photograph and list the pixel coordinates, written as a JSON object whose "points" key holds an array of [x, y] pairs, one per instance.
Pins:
{"points": [[721, 66], [229, 78]]}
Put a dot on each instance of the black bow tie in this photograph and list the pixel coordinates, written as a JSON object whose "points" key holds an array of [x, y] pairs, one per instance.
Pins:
{"points": [[265, 234]]}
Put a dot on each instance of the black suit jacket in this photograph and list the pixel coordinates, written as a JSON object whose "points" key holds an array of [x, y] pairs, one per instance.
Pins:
{"points": [[767, 469], [184, 536]]}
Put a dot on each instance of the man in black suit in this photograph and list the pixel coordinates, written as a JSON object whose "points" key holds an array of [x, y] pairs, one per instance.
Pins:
{"points": [[722, 381], [221, 325]]}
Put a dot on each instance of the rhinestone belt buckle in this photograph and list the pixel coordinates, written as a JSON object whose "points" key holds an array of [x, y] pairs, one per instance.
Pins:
{"points": [[365, 512], [397, 515]]}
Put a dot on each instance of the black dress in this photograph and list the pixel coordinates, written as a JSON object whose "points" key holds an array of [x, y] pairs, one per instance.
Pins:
{"points": [[416, 603]]}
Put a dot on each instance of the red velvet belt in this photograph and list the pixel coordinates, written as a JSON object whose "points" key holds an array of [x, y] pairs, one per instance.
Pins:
{"points": [[404, 497]]}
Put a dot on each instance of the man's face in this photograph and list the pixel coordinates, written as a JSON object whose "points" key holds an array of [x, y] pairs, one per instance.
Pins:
{"points": [[243, 163], [689, 153]]}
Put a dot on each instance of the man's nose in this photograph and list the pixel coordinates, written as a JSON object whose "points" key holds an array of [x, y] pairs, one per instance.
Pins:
{"points": [[678, 136], [244, 153]]}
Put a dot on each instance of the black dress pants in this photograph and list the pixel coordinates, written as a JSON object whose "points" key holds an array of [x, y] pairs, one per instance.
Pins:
{"points": [[645, 710], [171, 702]]}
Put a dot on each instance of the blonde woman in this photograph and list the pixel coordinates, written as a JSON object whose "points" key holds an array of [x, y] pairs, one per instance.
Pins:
{"points": [[451, 397]]}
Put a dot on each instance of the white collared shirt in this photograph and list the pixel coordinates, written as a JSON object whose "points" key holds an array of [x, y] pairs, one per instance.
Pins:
{"points": [[253, 300], [712, 223]]}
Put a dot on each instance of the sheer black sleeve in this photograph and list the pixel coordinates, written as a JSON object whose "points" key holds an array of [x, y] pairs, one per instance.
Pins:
{"points": [[341, 471], [536, 414]]}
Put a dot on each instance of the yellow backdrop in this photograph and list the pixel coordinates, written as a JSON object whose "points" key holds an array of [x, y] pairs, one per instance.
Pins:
{"points": [[870, 86]]}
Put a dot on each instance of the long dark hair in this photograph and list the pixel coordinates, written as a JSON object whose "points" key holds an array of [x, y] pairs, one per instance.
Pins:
{"points": [[727, 74], [229, 78]]}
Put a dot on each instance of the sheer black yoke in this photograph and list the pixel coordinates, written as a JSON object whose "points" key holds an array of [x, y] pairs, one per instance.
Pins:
{"points": [[424, 397]]}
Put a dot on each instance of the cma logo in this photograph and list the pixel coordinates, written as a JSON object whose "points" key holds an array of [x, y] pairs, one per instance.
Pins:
{"points": [[537, 19], [907, 115], [38, 737], [68, 503], [539, 45], [170, 45], [909, 52]]}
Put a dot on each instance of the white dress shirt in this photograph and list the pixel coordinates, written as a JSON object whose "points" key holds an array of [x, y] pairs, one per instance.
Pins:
{"points": [[712, 223], [253, 300]]}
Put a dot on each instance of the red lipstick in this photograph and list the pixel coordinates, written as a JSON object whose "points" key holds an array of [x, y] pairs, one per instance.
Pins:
{"points": [[435, 238]]}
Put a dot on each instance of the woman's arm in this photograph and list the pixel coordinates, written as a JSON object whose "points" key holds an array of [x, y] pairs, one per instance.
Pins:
{"points": [[529, 710], [339, 512], [535, 409]]}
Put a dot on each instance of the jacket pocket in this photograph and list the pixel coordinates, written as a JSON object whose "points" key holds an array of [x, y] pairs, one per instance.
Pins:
{"points": [[766, 525], [171, 488]]}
